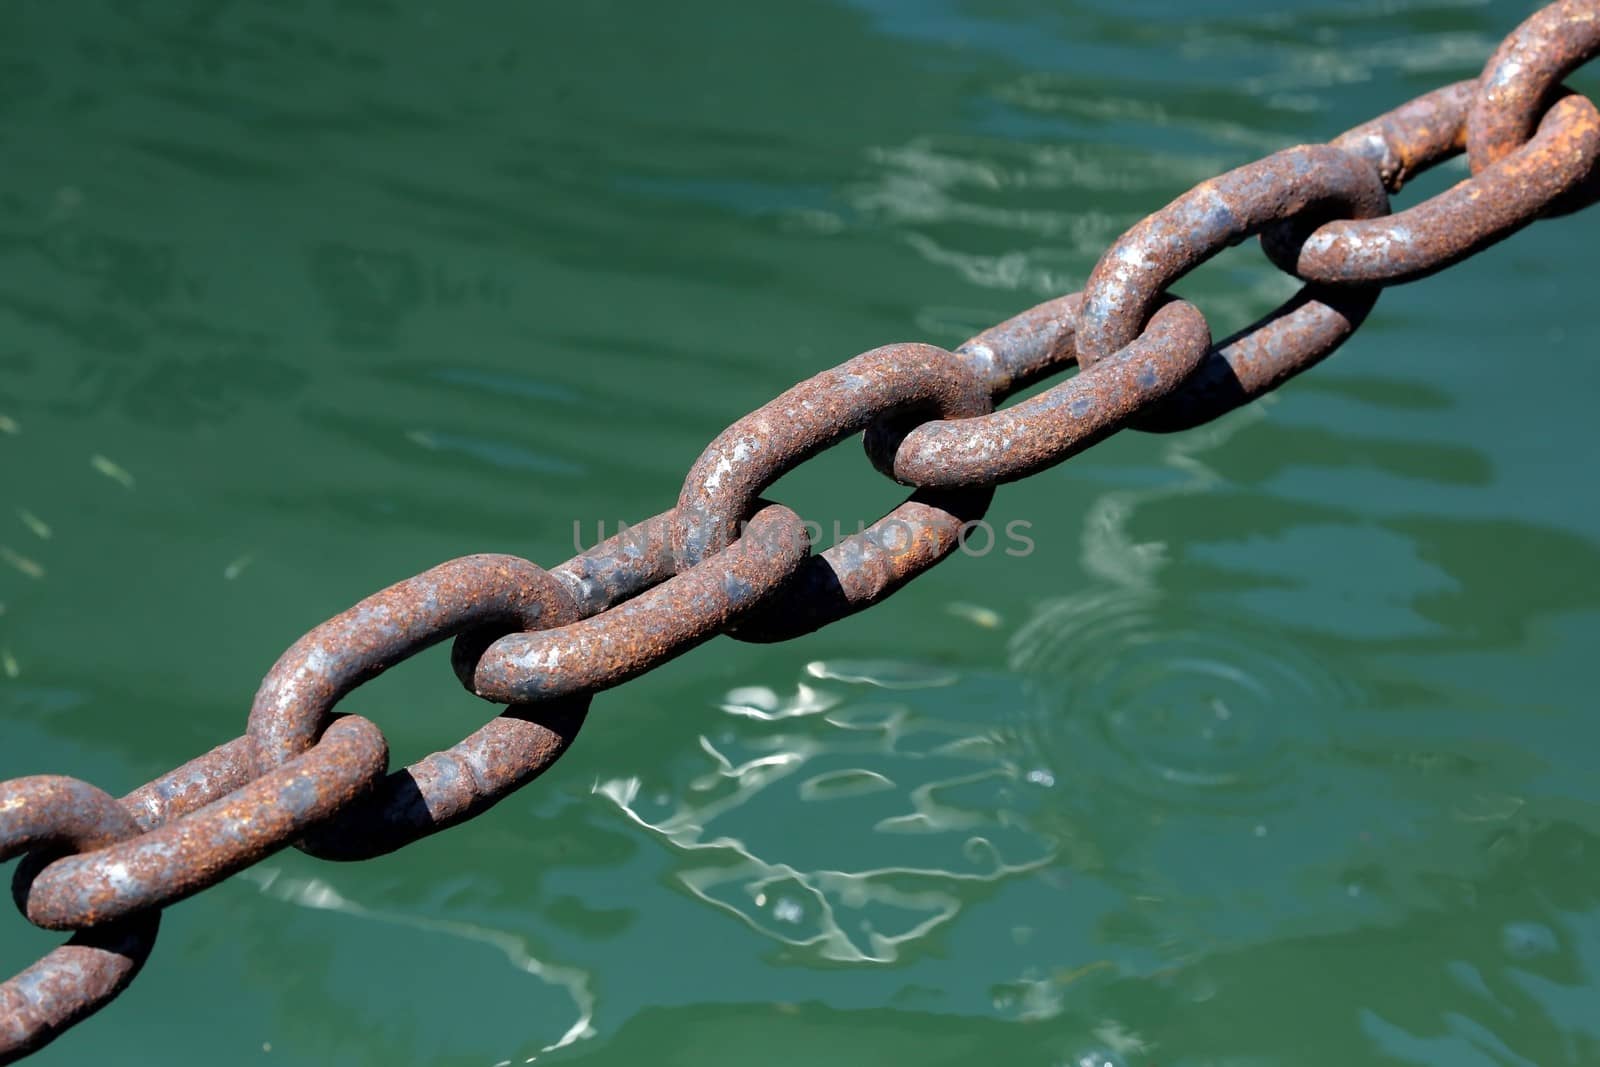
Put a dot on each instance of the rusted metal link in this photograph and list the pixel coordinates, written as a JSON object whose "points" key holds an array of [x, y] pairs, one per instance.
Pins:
{"points": [[477, 597], [893, 384], [1060, 422], [48, 811], [298, 696], [545, 642], [622, 566], [1022, 350], [1464, 219], [193, 785], [890, 382], [653, 627], [863, 569], [452, 786], [1302, 332], [46, 815], [1520, 80], [1008, 357], [71, 983], [1415, 136], [202, 848], [1313, 182], [1306, 183]]}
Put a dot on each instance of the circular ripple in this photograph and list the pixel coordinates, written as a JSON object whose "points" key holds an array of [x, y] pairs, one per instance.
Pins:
{"points": [[1147, 695]]}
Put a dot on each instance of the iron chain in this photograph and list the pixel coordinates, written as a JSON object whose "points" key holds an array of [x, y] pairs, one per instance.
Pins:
{"points": [[724, 561]]}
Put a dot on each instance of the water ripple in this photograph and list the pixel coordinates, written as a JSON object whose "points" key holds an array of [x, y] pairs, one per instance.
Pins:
{"points": [[844, 824], [1149, 697]]}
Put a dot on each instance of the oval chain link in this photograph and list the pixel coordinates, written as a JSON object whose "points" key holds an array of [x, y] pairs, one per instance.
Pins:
{"points": [[895, 382], [659, 624], [1459, 222], [52, 814], [1522, 76]]}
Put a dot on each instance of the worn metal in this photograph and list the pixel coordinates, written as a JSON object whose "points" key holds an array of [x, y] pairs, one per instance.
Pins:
{"points": [[723, 561], [1302, 332], [1010, 356], [1518, 82], [622, 566], [476, 599], [154, 869], [894, 382], [474, 593], [1464, 219], [40, 817], [1308, 182], [193, 785], [71, 983], [862, 569], [1415, 136], [652, 628], [1044, 430]]}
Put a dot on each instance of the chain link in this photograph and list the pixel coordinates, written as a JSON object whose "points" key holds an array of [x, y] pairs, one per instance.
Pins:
{"points": [[724, 561], [42, 817], [1466, 218], [1518, 81]]}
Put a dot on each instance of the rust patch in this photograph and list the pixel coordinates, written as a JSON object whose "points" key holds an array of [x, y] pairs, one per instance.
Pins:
{"points": [[1464, 219], [41, 817], [652, 628]]}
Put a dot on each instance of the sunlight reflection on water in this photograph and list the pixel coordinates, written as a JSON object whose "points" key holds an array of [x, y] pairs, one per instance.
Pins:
{"points": [[318, 895], [922, 812]]}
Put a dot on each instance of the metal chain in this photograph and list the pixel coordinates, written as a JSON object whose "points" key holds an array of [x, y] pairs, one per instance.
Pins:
{"points": [[724, 561]]}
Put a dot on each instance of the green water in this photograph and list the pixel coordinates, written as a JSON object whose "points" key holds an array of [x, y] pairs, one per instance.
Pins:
{"points": [[1277, 748]]}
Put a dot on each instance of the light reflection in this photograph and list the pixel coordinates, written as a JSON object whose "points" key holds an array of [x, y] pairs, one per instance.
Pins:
{"points": [[36, 526], [883, 674], [1435, 56], [837, 785], [1063, 95], [113, 470], [25, 565], [978, 615], [760, 702], [1008, 270], [922, 815], [315, 894]]}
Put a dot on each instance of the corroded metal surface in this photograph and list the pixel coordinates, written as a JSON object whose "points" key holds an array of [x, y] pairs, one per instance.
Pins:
{"points": [[193, 785], [1044, 430], [620, 567], [1517, 82], [862, 569], [897, 386], [1414, 136], [474, 593], [1309, 181], [1464, 219], [449, 787], [891, 382], [1261, 357], [544, 642], [41, 817], [152, 870], [650, 629], [71, 983]]}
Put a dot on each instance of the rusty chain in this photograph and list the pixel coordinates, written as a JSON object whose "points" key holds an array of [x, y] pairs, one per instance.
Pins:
{"points": [[725, 561]]}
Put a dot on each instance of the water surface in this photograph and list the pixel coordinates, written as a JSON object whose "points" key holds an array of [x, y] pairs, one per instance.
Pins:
{"points": [[1275, 749]]}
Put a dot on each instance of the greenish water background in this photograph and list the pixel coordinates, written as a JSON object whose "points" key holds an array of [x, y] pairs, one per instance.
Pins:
{"points": [[1276, 750]]}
